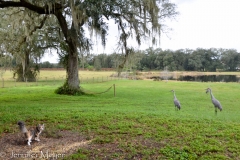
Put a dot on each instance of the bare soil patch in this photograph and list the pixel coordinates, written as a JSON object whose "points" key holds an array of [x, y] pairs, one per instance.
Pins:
{"points": [[14, 146]]}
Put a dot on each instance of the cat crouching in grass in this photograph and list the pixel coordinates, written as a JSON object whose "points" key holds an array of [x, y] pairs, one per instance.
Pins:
{"points": [[31, 134]]}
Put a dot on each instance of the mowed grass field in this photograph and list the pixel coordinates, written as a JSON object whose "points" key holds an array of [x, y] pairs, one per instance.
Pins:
{"points": [[140, 122]]}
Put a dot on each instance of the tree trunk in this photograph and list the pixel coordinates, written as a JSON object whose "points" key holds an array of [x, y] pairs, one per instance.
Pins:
{"points": [[72, 61], [23, 71], [26, 67], [72, 71]]}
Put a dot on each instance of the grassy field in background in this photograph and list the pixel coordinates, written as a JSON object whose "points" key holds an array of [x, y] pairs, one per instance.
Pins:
{"points": [[56, 77], [140, 122], [58, 74]]}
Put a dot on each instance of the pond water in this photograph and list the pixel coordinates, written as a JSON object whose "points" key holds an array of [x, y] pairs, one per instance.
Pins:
{"points": [[205, 78]]}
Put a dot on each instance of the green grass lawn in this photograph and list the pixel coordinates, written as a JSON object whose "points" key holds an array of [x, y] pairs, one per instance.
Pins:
{"points": [[140, 122]]}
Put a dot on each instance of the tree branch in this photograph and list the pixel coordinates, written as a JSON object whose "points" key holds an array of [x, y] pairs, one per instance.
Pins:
{"points": [[34, 8]]}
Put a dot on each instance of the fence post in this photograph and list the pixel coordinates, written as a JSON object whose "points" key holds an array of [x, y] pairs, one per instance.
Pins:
{"points": [[114, 90], [2, 82]]}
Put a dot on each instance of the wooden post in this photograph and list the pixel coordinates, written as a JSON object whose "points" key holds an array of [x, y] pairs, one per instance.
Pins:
{"points": [[114, 90], [2, 82]]}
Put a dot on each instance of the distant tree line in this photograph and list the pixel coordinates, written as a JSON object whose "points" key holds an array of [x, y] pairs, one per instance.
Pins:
{"points": [[47, 64], [212, 59]]}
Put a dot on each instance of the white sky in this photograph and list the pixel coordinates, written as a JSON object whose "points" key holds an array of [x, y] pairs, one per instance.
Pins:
{"points": [[200, 24]]}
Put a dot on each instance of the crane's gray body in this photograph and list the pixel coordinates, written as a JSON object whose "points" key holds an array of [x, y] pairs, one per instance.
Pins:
{"points": [[215, 102], [176, 101]]}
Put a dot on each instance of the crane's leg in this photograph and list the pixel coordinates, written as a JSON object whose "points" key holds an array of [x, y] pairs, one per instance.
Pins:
{"points": [[216, 111]]}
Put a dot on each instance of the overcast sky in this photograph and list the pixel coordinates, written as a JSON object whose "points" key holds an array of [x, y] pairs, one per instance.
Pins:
{"points": [[200, 24]]}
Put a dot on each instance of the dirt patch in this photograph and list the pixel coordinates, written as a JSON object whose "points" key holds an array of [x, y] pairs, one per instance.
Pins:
{"points": [[14, 146]]}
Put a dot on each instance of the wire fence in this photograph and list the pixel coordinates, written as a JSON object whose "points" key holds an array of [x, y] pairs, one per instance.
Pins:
{"points": [[44, 81]]}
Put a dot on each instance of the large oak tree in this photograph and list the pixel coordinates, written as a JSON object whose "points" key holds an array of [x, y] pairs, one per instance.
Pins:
{"points": [[137, 19]]}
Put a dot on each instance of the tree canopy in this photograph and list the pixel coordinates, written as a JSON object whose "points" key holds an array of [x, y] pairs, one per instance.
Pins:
{"points": [[72, 19]]}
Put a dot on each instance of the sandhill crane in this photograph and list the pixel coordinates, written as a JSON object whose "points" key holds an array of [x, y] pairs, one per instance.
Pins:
{"points": [[215, 102], [176, 101]]}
